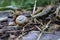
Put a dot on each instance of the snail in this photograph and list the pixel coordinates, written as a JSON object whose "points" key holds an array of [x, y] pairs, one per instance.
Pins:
{"points": [[21, 19]]}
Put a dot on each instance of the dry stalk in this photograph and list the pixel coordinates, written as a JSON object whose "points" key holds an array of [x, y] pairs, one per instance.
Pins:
{"points": [[34, 7], [38, 28], [20, 36], [57, 11], [38, 21], [43, 30]]}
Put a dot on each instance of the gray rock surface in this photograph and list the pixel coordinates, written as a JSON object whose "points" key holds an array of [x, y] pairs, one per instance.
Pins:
{"points": [[34, 34], [4, 15], [31, 35]]}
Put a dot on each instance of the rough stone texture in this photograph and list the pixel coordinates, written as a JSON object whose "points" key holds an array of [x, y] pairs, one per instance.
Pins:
{"points": [[54, 36], [34, 34], [31, 35], [4, 15]]}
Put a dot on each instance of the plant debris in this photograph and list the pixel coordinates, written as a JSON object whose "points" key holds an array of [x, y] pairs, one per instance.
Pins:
{"points": [[19, 24]]}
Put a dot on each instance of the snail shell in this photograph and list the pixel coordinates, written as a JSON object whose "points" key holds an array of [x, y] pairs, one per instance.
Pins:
{"points": [[21, 19]]}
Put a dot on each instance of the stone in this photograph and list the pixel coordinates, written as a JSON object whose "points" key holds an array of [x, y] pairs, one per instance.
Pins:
{"points": [[59, 39], [11, 22], [1, 39], [4, 15], [31, 35], [3, 18]]}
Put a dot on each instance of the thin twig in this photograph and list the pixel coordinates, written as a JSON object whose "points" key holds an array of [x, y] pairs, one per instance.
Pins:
{"points": [[38, 28], [57, 11], [20, 36], [34, 7], [35, 20], [43, 30], [39, 21], [44, 11], [28, 23]]}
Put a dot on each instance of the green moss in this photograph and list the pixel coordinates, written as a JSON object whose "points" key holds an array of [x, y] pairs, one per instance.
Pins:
{"points": [[25, 4]]}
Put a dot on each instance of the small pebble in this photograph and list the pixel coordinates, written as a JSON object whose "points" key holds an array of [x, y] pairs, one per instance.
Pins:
{"points": [[11, 23], [59, 39], [3, 18], [31, 35]]}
